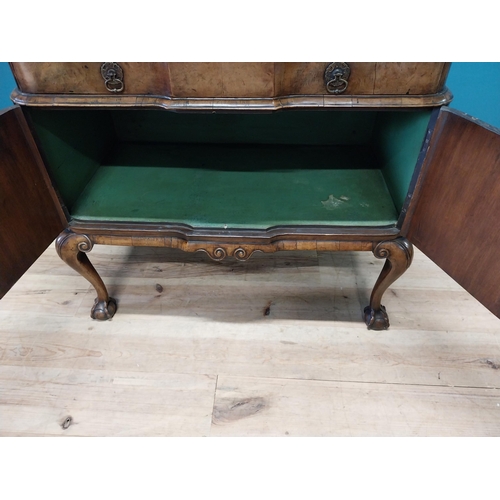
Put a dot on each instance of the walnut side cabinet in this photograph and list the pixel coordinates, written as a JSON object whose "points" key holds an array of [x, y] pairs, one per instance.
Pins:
{"points": [[235, 158]]}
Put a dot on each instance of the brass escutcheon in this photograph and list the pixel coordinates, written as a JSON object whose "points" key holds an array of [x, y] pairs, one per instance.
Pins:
{"points": [[337, 77], [113, 76]]}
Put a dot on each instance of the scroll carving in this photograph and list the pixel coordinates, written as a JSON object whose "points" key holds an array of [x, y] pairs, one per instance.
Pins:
{"points": [[241, 254], [399, 255], [72, 248], [220, 253]]}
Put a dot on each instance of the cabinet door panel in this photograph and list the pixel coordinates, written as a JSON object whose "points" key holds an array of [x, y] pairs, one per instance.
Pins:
{"points": [[456, 220], [30, 215]]}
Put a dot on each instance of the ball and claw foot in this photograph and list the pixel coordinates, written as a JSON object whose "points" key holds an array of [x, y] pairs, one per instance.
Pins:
{"points": [[376, 320], [103, 311]]}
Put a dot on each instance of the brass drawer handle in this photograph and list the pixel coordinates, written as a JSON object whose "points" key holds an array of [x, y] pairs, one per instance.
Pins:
{"points": [[337, 77], [113, 76]]}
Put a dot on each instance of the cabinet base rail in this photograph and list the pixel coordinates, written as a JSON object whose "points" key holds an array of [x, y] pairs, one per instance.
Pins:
{"points": [[73, 248]]}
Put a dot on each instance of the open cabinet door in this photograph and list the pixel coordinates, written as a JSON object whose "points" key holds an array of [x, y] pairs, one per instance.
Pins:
{"points": [[456, 214], [30, 214]]}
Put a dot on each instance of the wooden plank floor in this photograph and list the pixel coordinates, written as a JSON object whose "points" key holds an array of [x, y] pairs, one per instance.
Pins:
{"points": [[191, 351]]}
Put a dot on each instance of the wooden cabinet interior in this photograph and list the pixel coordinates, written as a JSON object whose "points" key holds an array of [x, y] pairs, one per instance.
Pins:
{"points": [[228, 171]]}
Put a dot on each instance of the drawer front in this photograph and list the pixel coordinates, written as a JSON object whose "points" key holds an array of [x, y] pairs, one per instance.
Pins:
{"points": [[365, 78], [87, 78], [227, 80]]}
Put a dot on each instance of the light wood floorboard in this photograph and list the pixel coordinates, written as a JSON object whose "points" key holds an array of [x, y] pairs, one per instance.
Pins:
{"points": [[284, 407], [191, 352]]}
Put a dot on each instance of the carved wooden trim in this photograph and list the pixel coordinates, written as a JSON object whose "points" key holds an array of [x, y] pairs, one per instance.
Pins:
{"points": [[218, 250], [69, 241], [237, 243], [233, 103], [220, 253], [399, 255], [72, 248], [234, 236]]}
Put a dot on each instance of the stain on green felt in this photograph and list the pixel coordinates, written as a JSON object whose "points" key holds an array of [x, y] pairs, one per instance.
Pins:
{"points": [[238, 186]]}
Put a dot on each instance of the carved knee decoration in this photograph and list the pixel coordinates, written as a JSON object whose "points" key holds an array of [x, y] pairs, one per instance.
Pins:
{"points": [[72, 249], [399, 255]]}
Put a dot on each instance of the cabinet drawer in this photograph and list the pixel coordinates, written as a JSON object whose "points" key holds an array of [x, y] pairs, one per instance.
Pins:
{"points": [[86, 78], [229, 80]]}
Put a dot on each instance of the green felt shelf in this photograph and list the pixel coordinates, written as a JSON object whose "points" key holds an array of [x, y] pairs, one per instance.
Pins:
{"points": [[238, 186]]}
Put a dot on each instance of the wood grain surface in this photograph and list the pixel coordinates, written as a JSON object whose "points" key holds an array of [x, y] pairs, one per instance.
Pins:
{"points": [[86, 78], [457, 208], [248, 104], [30, 215], [274, 346], [233, 79]]}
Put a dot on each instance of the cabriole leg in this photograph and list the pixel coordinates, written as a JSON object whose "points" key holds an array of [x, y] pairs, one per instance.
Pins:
{"points": [[399, 255], [72, 249]]}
